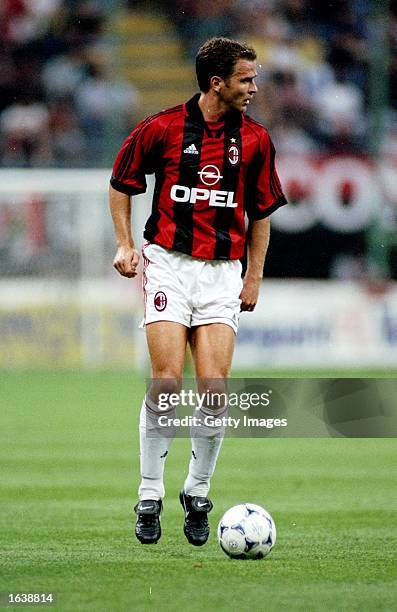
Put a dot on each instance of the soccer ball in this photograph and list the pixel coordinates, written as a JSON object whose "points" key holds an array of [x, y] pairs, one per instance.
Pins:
{"points": [[247, 531]]}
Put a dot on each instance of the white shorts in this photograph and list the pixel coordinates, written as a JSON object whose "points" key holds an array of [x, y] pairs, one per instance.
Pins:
{"points": [[190, 291]]}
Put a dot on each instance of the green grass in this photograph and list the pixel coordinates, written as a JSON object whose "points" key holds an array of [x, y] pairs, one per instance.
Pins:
{"points": [[69, 466]]}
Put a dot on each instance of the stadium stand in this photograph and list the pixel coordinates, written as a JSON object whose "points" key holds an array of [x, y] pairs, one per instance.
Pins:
{"points": [[151, 55]]}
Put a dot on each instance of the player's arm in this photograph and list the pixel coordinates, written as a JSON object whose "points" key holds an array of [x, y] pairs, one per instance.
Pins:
{"points": [[137, 157], [265, 195], [127, 257], [258, 236]]}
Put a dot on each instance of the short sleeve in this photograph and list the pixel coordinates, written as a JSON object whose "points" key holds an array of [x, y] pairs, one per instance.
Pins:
{"points": [[136, 158], [264, 194]]}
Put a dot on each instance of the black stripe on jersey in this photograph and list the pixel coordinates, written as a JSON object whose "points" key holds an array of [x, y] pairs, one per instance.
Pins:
{"points": [[230, 174], [251, 182], [129, 152], [189, 165], [275, 186], [268, 211], [123, 188], [151, 227]]}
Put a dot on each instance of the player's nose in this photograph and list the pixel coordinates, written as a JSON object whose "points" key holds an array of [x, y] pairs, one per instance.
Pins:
{"points": [[253, 88]]}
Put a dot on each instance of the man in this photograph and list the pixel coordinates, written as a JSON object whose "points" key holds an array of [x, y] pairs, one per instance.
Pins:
{"points": [[214, 168]]}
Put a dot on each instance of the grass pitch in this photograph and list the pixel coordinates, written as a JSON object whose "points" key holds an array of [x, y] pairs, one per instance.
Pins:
{"points": [[69, 472]]}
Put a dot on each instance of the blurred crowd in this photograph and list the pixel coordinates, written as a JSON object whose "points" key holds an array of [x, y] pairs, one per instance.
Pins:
{"points": [[58, 97], [314, 65], [57, 93]]}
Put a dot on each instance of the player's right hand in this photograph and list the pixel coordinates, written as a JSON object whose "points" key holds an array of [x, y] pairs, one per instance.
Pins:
{"points": [[126, 261]]}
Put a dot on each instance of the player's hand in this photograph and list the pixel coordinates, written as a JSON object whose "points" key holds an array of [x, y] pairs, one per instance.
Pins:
{"points": [[126, 261], [250, 293]]}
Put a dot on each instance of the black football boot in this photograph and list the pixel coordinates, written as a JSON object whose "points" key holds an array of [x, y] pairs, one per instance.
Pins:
{"points": [[148, 528], [196, 527]]}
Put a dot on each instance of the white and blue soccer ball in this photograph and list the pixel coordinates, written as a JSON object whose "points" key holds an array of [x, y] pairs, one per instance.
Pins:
{"points": [[247, 531]]}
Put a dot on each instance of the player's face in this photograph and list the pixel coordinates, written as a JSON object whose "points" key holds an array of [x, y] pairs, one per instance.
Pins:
{"points": [[237, 91]]}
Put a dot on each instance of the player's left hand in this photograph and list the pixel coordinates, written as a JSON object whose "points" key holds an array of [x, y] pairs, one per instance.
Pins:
{"points": [[249, 294]]}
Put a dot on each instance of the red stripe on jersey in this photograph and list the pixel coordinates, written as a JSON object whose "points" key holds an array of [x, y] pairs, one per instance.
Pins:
{"points": [[125, 158], [204, 237]]}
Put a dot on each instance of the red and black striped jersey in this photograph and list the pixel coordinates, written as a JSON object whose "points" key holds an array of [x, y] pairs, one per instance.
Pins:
{"points": [[209, 176]]}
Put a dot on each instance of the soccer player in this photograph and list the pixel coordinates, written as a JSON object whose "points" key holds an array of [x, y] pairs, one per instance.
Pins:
{"points": [[214, 168]]}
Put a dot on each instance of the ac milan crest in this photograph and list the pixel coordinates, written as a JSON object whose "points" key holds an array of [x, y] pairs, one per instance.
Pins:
{"points": [[233, 154], [160, 301]]}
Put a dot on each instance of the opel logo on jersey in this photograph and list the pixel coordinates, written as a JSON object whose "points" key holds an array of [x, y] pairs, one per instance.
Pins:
{"points": [[233, 154], [160, 301], [214, 197], [210, 175]]}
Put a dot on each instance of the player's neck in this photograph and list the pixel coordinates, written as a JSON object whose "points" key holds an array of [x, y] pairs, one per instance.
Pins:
{"points": [[211, 108]]}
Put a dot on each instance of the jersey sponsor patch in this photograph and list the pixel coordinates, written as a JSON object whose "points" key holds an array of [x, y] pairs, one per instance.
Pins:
{"points": [[214, 197], [210, 175], [160, 301], [233, 154]]}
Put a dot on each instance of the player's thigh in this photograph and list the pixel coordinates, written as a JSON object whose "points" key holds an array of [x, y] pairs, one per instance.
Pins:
{"points": [[167, 342], [212, 348]]}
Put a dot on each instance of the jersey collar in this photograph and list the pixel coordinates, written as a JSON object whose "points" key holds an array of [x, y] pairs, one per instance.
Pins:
{"points": [[232, 118]]}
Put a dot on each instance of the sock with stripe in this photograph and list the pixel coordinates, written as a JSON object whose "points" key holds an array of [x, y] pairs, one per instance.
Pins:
{"points": [[206, 445], [155, 441]]}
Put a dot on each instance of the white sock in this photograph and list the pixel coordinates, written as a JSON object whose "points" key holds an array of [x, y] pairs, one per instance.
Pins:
{"points": [[206, 444], [154, 444]]}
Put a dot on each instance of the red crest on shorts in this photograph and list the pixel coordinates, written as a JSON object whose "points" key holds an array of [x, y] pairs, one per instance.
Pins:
{"points": [[233, 154], [160, 301]]}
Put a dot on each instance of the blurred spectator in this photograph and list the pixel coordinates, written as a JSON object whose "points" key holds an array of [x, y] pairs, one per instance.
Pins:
{"points": [[290, 138], [69, 145], [341, 121], [24, 128], [101, 102], [197, 21], [62, 74], [210, 19], [7, 78], [388, 145]]}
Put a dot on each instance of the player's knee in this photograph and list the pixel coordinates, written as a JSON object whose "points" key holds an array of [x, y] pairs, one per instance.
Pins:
{"points": [[215, 384], [165, 382], [215, 393]]}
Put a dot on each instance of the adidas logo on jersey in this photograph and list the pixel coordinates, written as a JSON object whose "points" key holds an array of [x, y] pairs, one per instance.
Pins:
{"points": [[191, 149]]}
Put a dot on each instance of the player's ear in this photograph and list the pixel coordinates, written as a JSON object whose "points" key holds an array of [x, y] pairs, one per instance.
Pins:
{"points": [[216, 82]]}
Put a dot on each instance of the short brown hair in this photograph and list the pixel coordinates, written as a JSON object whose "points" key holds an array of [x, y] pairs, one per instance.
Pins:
{"points": [[218, 56]]}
